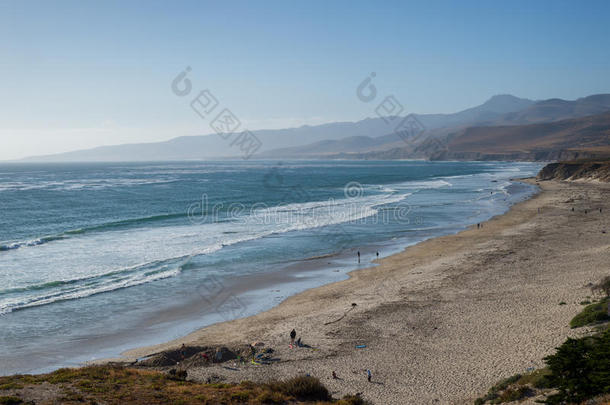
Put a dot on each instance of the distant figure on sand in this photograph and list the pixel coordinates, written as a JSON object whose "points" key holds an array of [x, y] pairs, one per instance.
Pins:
{"points": [[600, 210], [478, 226], [358, 256], [368, 375], [183, 351], [293, 334], [334, 375]]}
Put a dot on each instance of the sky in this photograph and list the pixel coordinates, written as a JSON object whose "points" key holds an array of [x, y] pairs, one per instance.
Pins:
{"points": [[79, 74]]}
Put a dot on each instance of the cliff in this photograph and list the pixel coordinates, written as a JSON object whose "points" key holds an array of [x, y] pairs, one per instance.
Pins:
{"points": [[577, 170]]}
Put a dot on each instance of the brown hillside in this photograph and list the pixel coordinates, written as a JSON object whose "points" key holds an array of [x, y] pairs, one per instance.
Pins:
{"points": [[578, 137]]}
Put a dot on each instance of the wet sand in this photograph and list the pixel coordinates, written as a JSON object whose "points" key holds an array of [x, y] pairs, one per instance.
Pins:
{"points": [[443, 320]]}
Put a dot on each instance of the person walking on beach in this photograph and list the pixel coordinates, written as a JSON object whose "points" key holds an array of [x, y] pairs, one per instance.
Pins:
{"points": [[334, 375], [293, 334], [368, 375], [358, 257], [378, 255]]}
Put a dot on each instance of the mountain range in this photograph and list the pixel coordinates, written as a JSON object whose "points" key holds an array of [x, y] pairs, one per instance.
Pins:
{"points": [[504, 127]]}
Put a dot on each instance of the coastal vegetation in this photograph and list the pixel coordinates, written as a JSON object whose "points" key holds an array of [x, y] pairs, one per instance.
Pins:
{"points": [[578, 371], [117, 385], [592, 314]]}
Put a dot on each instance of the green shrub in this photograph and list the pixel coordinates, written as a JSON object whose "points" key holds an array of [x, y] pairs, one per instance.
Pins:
{"points": [[537, 378], [11, 386], [240, 396], [591, 314], [10, 400], [352, 400], [271, 397], [303, 388], [513, 394], [580, 369], [497, 390], [516, 387]]}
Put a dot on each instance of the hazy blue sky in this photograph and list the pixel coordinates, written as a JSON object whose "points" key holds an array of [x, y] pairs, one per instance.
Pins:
{"points": [[76, 74]]}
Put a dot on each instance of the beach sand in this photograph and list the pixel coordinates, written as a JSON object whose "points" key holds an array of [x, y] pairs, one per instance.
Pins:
{"points": [[443, 320]]}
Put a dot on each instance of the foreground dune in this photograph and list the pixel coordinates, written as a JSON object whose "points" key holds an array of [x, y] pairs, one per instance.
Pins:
{"points": [[443, 320]]}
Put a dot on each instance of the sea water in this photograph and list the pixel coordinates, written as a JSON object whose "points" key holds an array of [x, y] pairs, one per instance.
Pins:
{"points": [[99, 258]]}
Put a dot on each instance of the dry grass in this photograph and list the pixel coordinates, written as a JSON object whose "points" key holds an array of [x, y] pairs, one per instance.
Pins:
{"points": [[118, 385]]}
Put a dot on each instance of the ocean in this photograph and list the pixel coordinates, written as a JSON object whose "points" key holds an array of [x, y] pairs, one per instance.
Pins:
{"points": [[99, 258]]}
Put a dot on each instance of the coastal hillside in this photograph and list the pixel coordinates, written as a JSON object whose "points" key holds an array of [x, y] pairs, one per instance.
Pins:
{"points": [[585, 137], [487, 132], [576, 170], [576, 138]]}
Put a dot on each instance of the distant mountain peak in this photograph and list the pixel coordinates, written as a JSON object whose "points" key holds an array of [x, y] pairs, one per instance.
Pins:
{"points": [[507, 96], [505, 103]]}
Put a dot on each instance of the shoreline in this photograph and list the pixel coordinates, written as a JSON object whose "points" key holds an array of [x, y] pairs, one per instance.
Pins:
{"points": [[396, 248], [444, 319]]}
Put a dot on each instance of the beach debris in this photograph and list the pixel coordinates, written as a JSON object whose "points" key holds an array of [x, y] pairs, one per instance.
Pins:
{"points": [[360, 346]]}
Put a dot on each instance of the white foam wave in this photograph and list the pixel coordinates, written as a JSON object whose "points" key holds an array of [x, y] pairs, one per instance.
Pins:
{"points": [[96, 255], [81, 288]]}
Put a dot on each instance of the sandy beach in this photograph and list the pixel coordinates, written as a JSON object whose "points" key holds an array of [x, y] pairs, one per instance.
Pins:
{"points": [[443, 320]]}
